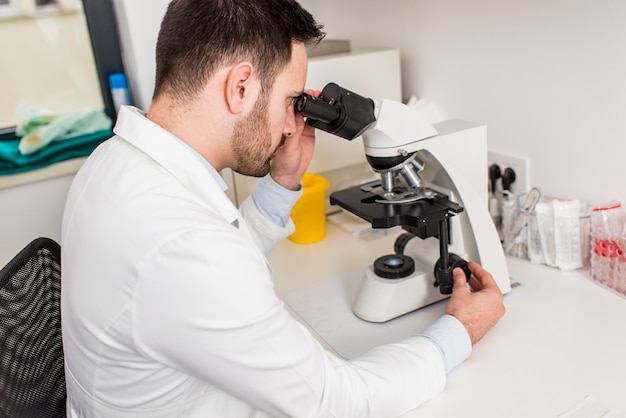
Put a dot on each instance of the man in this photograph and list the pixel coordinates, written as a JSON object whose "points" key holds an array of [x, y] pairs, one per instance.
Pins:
{"points": [[168, 303]]}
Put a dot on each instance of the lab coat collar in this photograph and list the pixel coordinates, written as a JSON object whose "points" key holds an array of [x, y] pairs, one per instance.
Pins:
{"points": [[173, 155]]}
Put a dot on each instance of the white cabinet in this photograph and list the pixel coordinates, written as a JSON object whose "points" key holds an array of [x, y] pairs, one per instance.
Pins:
{"points": [[32, 205]]}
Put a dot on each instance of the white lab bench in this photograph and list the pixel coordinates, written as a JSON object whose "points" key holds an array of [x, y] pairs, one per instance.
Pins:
{"points": [[561, 340]]}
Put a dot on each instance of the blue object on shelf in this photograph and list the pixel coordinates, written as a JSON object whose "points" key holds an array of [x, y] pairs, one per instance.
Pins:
{"points": [[119, 90]]}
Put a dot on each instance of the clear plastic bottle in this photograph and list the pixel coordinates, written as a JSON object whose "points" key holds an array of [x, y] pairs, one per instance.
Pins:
{"points": [[119, 90], [608, 251]]}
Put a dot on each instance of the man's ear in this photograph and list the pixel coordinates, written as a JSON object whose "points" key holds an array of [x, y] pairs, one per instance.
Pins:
{"points": [[241, 87]]}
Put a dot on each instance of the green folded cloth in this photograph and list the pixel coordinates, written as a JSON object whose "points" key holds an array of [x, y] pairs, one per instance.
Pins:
{"points": [[12, 161], [38, 128], [48, 138]]}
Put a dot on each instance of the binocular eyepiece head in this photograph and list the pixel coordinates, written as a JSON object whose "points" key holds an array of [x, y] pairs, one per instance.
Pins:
{"points": [[337, 111]]}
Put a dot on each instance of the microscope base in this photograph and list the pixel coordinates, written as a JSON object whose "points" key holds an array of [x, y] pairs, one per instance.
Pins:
{"points": [[380, 299]]}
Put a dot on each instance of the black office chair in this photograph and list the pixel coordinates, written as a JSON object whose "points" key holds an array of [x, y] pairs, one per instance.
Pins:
{"points": [[32, 378]]}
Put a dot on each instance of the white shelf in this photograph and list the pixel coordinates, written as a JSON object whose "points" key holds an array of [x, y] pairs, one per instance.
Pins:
{"points": [[63, 168]]}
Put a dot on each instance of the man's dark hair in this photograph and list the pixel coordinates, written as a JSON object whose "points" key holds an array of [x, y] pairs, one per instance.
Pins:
{"points": [[197, 37]]}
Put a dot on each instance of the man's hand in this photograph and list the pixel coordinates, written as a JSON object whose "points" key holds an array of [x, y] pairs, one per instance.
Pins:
{"points": [[293, 158], [479, 310]]}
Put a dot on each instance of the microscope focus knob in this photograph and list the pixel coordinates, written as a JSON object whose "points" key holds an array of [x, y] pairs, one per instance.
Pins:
{"points": [[394, 266], [443, 274]]}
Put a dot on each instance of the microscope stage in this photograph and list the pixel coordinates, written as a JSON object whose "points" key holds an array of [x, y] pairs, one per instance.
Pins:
{"points": [[366, 205]]}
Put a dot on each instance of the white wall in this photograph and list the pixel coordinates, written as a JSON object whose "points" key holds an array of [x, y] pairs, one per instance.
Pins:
{"points": [[548, 77]]}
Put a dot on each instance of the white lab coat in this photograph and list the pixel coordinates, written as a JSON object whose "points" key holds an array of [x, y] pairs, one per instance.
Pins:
{"points": [[169, 309]]}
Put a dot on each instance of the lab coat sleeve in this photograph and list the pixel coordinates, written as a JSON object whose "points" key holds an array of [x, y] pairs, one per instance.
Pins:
{"points": [[205, 305], [264, 232], [274, 201]]}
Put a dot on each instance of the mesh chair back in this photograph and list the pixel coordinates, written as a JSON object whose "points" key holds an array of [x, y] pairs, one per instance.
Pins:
{"points": [[32, 379]]}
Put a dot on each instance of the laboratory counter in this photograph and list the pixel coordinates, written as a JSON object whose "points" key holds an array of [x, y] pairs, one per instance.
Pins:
{"points": [[560, 348]]}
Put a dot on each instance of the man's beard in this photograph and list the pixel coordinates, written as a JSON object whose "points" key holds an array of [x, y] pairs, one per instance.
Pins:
{"points": [[252, 140]]}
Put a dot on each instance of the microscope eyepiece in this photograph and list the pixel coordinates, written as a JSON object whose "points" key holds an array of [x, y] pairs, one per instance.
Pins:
{"points": [[317, 109], [337, 111]]}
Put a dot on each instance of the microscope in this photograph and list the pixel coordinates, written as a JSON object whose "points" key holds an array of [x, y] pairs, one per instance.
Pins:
{"points": [[433, 184]]}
